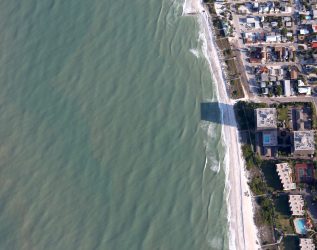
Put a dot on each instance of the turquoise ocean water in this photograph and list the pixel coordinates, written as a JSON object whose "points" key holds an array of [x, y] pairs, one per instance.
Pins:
{"points": [[101, 140]]}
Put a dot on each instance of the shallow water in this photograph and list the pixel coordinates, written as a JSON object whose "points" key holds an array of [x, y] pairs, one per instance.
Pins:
{"points": [[102, 142]]}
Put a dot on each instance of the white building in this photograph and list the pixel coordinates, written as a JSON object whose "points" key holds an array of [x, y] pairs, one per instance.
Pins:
{"points": [[266, 118], [285, 173], [287, 87], [306, 244], [273, 38], [304, 142], [296, 203]]}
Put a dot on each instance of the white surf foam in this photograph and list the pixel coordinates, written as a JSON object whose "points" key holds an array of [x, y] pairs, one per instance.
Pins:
{"points": [[234, 226], [195, 52]]}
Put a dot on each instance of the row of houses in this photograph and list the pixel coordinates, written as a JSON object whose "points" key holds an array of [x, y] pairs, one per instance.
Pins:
{"points": [[272, 7]]}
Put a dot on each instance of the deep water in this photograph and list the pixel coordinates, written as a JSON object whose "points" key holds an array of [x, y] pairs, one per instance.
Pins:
{"points": [[102, 142]]}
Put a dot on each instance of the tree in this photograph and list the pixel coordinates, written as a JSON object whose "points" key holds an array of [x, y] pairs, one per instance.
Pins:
{"points": [[284, 32], [279, 90]]}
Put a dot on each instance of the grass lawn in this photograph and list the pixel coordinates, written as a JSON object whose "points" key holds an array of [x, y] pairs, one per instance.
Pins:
{"points": [[282, 114], [236, 90], [232, 68], [284, 225], [223, 44]]}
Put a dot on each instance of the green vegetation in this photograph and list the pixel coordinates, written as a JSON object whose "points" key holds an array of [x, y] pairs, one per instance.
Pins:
{"points": [[236, 88], [257, 186], [314, 118], [244, 112], [279, 90], [266, 211], [283, 214], [284, 31], [251, 158], [282, 114], [271, 177]]}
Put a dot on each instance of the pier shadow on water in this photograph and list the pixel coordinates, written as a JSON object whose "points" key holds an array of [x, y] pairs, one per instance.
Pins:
{"points": [[211, 112]]}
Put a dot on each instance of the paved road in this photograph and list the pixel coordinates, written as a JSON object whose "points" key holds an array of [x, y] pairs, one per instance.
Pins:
{"points": [[271, 100], [274, 64], [265, 44]]}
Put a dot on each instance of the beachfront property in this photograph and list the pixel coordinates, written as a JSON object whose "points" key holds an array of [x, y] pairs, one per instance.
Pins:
{"points": [[304, 143], [266, 125], [275, 45], [306, 244], [296, 203], [266, 118], [285, 172]]}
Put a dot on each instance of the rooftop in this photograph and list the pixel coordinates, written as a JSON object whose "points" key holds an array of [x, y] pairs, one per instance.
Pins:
{"points": [[266, 118], [296, 204], [304, 172], [285, 173], [306, 244], [304, 140]]}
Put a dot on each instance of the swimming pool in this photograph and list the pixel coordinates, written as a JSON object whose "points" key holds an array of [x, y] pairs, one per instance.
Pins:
{"points": [[300, 227], [266, 139]]}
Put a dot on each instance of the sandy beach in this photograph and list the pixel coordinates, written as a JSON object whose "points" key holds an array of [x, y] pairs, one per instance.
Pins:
{"points": [[243, 232]]}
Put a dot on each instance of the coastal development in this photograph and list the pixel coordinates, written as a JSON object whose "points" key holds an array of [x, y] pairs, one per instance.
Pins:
{"points": [[267, 51]]}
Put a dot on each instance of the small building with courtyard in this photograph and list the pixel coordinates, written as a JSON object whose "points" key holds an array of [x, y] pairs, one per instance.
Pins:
{"points": [[304, 172]]}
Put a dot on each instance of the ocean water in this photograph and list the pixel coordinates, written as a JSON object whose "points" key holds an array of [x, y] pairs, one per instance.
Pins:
{"points": [[102, 141]]}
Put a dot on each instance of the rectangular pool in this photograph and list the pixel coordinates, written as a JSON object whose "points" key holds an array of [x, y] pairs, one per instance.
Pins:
{"points": [[300, 227]]}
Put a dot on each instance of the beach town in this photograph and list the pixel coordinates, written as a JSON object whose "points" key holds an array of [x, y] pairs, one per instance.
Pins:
{"points": [[263, 58]]}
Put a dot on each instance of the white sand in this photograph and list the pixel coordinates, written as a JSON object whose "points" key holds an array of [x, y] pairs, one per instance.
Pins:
{"points": [[243, 232]]}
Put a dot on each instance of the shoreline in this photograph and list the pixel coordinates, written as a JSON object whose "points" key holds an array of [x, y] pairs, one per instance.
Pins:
{"points": [[242, 229]]}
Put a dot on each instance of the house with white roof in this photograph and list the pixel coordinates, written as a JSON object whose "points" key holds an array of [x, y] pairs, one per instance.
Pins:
{"points": [[296, 203], [285, 172]]}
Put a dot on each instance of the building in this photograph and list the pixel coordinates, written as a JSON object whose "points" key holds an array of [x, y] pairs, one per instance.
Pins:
{"points": [[314, 45], [287, 88], [304, 143], [314, 14], [284, 171], [303, 31], [243, 9], [266, 118], [304, 172], [304, 90], [306, 244], [294, 74], [273, 38], [266, 125], [250, 20], [296, 204]]}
